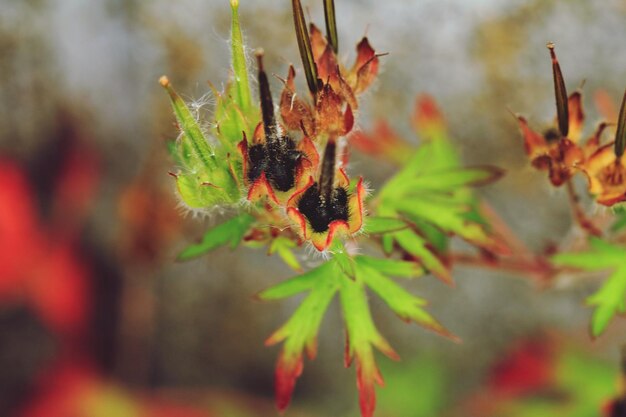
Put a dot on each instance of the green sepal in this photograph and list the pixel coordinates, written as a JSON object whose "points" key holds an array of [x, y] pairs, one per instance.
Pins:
{"points": [[195, 145], [241, 84], [206, 189]]}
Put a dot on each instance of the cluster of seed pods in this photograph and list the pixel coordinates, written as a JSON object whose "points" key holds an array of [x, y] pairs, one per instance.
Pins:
{"points": [[317, 195]]}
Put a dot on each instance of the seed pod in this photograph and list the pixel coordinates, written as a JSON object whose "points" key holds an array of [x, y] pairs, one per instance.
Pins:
{"points": [[620, 135], [331, 24], [304, 44], [273, 157], [560, 93]]}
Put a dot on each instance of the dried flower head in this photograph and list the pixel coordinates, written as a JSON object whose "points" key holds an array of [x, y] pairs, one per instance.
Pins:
{"points": [[557, 150], [605, 168]]}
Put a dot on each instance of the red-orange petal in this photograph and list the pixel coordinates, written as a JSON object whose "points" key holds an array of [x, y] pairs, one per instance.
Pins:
{"points": [[327, 65], [318, 42], [534, 143], [576, 116], [348, 120], [365, 68]]}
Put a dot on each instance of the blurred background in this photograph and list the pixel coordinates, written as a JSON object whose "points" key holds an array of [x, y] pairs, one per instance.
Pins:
{"points": [[96, 313]]}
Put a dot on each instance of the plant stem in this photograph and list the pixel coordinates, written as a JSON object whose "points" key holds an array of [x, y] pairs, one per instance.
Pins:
{"points": [[538, 267], [579, 214]]}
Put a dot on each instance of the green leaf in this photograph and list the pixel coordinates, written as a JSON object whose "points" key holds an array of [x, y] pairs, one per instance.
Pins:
{"points": [[392, 267], [348, 275], [432, 193], [298, 283], [452, 178], [610, 298], [418, 247], [300, 331], [228, 233], [432, 233], [603, 256], [359, 323], [424, 374], [620, 221], [343, 260], [362, 334], [379, 225], [283, 246], [407, 306]]}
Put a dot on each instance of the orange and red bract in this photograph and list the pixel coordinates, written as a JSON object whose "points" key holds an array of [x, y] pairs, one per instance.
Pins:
{"points": [[526, 368], [39, 265], [76, 389]]}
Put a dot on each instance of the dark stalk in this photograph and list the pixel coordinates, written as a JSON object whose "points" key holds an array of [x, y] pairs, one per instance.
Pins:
{"points": [[327, 174], [267, 106]]}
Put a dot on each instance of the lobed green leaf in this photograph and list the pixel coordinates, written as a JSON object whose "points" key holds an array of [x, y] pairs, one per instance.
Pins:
{"points": [[609, 300], [283, 246], [299, 283], [228, 233], [360, 326], [418, 247], [392, 267], [300, 331], [405, 305], [379, 225], [451, 179]]}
